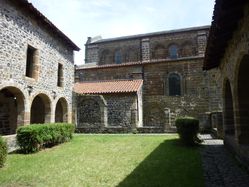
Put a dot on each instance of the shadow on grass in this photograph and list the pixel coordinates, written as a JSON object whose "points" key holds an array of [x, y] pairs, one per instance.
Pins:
{"points": [[170, 164]]}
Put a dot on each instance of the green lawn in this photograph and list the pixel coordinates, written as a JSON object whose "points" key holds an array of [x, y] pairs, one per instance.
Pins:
{"points": [[107, 160]]}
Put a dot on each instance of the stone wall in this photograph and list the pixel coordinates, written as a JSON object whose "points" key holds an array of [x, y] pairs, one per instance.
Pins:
{"points": [[145, 47], [96, 74], [199, 92], [235, 90], [104, 53], [108, 113], [122, 110], [19, 31]]}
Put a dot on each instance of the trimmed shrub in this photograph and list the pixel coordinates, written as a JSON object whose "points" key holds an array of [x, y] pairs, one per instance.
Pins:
{"points": [[3, 151], [34, 137], [187, 128]]}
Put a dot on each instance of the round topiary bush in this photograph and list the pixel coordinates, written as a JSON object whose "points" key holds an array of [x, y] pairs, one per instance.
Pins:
{"points": [[187, 128], [3, 151]]}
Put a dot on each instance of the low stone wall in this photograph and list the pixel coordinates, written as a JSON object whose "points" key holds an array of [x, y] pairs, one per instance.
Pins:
{"points": [[150, 130], [104, 130], [11, 142]]}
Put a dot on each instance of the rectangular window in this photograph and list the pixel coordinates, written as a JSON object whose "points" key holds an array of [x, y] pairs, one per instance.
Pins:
{"points": [[60, 75], [30, 62]]}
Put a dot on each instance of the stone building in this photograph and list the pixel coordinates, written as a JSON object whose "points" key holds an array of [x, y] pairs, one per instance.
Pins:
{"points": [[170, 65], [228, 52], [36, 68]]}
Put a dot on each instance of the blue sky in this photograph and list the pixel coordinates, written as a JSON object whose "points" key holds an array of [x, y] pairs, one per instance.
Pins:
{"points": [[79, 19]]}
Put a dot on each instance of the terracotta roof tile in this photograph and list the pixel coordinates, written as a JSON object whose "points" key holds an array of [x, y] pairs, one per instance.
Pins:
{"points": [[111, 86]]}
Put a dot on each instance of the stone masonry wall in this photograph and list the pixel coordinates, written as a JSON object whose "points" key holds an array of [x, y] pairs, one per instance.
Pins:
{"points": [[121, 109], [194, 97], [189, 43], [234, 72], [198, 88], [18, 30], [92, 74], [130, 50], [121, 113]]}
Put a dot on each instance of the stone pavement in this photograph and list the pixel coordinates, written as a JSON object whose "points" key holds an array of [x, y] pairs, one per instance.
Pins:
{"points": [[220, 168]]}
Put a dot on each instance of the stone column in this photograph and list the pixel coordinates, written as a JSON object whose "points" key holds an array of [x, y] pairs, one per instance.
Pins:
{"points": [[201, 42], [145, 49]]}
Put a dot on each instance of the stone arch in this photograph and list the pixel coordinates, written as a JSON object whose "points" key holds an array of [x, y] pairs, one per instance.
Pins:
{"points": [[176, 84], [91, 112], [159, 52], [229, 127], [61, 111], [242, 98], [131, 55], [40, 111], [187, 49], [118, 58], [173, 51], [105, 57], [154, 116], [12, 109]]}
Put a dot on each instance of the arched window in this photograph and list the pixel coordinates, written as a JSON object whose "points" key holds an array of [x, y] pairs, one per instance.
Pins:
{"points": [[159, 52], [105, 57], [131, 55], [174, 84], [118, 57], [173, 51], [187, 49]]}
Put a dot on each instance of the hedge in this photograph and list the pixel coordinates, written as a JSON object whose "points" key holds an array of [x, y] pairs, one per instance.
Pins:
{"points": [[3, 152], [34, 137], [187, 128]]}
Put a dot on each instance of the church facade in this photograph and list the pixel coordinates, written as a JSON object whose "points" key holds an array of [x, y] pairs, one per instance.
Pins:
{"points": [[168, 66]]}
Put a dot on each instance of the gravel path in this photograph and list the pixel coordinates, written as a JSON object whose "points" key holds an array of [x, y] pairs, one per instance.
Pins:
{"points": [[220, 169]]}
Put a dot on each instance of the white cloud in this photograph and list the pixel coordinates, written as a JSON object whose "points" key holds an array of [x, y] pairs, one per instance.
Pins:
{"points": [[111, 18]]}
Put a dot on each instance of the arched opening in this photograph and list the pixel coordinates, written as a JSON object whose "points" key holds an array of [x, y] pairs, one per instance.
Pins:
{"points": [[228, 110], [243, 100], [159, 52], [89, 113], [187, 49], [11, 110], [131, 55], [105, 57], [174, 84], [40, 109], [61, 111], [118, 57], [173, 51]]}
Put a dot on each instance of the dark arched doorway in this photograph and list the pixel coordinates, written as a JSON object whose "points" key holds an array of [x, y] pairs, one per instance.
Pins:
{"points": [[61, 111], [11, 110], [243, 100], [228, 110], [40, 109]]}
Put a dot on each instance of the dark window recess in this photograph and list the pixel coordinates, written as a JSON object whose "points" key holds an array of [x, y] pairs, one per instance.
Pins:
{"points": [[118, 57], [173, 51], [174, 85], [60, 75], [30, 62]]}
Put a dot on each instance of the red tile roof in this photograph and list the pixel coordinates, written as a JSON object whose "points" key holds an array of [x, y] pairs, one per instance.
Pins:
{"points": [[111, 86]]}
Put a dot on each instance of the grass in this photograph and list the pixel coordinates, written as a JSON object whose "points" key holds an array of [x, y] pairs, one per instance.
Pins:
{"points": [[107, 160]]}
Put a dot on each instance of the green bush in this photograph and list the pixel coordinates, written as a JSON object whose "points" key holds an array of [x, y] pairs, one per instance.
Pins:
{"points": [[3, 152], [34, 137], [187, 128]]}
